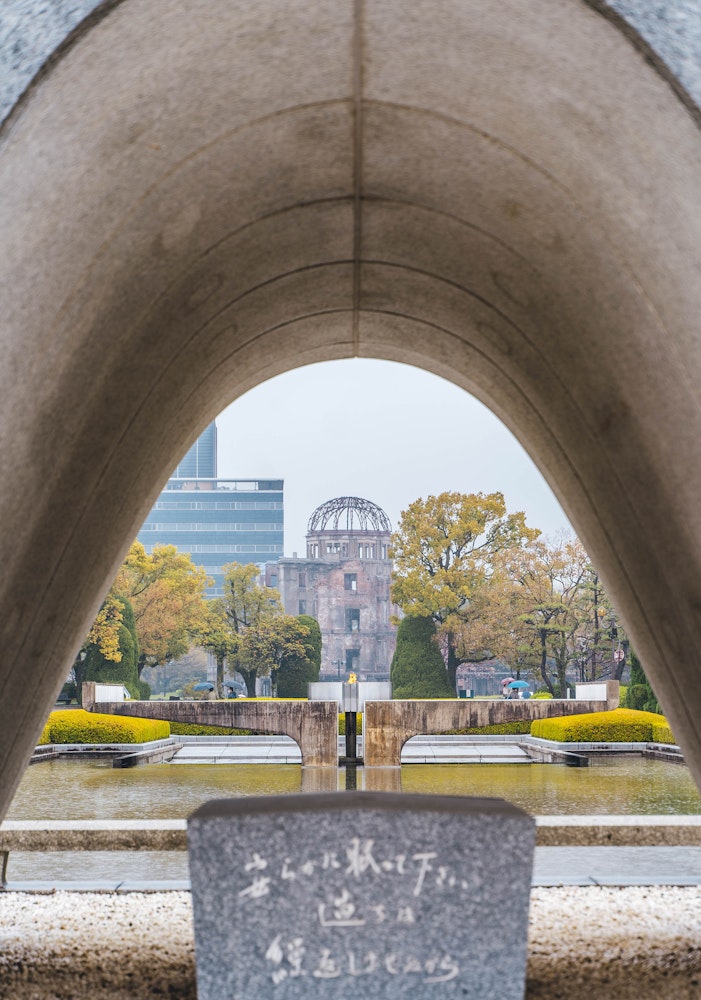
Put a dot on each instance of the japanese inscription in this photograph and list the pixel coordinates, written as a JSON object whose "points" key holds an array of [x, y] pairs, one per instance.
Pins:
{"points": [[305, 903], [354, 906]]}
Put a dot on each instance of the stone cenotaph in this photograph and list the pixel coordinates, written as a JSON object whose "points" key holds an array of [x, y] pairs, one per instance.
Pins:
{"points": [[363, 893]]}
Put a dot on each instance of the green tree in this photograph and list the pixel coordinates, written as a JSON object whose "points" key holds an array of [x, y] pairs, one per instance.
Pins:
{"points": [[417, 669], [296, 672], [266, 644], [216, 634], [444, 551], [265, 635], [640, 694]]}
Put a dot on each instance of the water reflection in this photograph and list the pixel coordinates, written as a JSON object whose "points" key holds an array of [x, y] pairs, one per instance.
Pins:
{"points": [[91, 790], [626, 785]]}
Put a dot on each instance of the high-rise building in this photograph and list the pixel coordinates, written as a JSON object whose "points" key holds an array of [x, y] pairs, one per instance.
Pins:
{"points": [[201, 460], [217, 521], [344, 583]]}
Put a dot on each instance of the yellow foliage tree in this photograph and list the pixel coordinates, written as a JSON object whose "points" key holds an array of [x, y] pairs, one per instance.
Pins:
{"points": [[104, 632], [445, 552], [166, 590]]}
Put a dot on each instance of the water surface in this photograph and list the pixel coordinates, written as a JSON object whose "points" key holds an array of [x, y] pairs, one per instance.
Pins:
{"points": [[95, 790]]}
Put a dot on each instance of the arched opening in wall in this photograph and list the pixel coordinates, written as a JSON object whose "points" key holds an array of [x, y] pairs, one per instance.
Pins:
{"points": [[504, 199], [390, 433]]}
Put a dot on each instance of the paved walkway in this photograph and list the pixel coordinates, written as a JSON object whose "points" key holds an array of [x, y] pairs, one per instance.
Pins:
{"points": [[283, 750], [563, 866]]}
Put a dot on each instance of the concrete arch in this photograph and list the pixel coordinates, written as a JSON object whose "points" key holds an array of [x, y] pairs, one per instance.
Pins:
{"points": [[195, 197]]}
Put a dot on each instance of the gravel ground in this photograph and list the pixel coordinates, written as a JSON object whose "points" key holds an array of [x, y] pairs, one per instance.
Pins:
{"points": [[585, 942]]}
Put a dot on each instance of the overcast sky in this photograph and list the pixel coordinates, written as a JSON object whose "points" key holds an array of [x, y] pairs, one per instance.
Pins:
{"points": [[387, 432]]}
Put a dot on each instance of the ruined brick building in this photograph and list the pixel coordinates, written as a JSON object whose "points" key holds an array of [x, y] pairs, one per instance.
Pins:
{"points": [[344, 582]]}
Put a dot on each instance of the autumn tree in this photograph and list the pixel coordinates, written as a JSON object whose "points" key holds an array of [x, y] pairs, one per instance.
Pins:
{"points": [[166, 591], [102, 639], [548, 580], [110, 664], [444, 552], [554, 613]]}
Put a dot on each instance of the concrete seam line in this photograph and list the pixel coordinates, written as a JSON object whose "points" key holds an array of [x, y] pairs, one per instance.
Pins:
{"points": [[358, 39]]}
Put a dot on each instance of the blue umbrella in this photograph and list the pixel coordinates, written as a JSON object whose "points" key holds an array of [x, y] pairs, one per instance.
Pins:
{"points": [[203, 686], [235, 685], [518, 684]]}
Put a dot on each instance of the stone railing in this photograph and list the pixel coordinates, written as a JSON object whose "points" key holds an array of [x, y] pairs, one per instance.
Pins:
{"points": [[171, 834]]}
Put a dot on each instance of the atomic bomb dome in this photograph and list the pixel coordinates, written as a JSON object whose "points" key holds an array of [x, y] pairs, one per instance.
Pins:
{"points": [[349, 514], [348, 528], [345, 584]]}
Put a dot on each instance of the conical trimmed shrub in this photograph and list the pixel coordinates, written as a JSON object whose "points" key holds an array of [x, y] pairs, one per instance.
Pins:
{"points": [[417, 669]]}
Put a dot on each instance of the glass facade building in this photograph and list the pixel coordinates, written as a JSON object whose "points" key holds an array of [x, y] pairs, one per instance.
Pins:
{"points": [[217, 521]]}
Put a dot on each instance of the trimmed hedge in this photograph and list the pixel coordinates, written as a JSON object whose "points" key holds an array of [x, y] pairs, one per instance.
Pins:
{"points": [[189, 729], [521, 728], [45, 737], [417, 669], [79, 726], [542, 695], [623, 725], [661, 733]]}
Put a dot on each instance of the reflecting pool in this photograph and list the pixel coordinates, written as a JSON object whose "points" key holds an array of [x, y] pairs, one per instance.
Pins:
{"points": [[95, 790]]}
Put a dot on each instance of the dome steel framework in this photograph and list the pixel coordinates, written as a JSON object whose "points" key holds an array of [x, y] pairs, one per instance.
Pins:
{"points": [[349, 514]]}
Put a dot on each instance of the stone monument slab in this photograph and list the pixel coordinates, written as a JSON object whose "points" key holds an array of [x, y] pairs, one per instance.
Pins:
{"points": [[386, 895]]}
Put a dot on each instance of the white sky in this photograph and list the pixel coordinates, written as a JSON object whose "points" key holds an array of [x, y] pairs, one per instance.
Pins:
{"points": [[375, 429]]}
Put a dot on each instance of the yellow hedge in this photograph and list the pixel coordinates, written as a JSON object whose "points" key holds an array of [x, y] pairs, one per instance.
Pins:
{"points": [[342, 723], [623, 725], [78, 726], [661, 733], [45, 735]]}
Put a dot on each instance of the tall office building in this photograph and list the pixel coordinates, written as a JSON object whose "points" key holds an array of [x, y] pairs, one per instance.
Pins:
{"points": [[217, 521]]}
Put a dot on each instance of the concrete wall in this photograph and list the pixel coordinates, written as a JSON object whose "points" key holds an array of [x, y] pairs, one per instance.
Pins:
{"points": [[387, 725], [197, 196], [312, 725]]}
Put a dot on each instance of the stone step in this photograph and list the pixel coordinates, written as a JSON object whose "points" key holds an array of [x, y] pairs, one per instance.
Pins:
{"points": [[427, 752]]}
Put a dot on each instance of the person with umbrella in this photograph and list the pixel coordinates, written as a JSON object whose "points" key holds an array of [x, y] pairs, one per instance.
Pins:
{"points": [[516, 688], [504, 689]]}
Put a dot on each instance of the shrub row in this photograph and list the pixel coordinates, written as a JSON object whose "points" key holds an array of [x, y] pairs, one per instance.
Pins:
{"points": [[188, 729], [521, 728], [661, 733], [623, 725], [78, 726]]}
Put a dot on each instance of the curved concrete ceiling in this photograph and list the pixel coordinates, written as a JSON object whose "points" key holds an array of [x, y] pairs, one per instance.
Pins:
{"points": [[199, 196]]}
